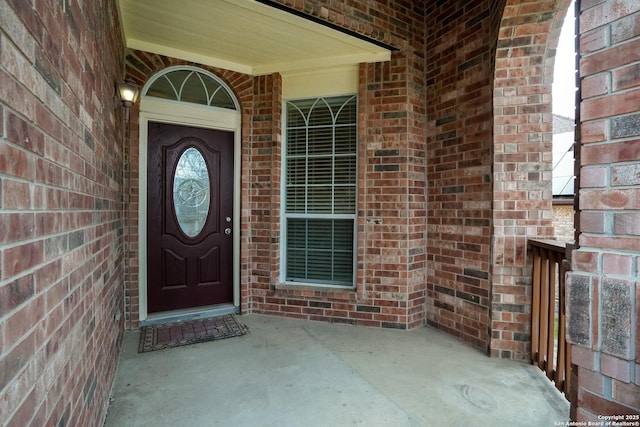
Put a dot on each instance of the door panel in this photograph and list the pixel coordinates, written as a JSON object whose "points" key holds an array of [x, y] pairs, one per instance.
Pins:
{"points": [[190, 257], [173, 267], [208, 266]]}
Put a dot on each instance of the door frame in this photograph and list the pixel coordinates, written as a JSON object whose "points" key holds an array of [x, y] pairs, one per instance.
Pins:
{"points": [[181, 113]]}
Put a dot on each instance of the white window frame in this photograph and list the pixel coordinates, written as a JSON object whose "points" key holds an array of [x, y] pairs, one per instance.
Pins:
{"points": [[284, 215]]}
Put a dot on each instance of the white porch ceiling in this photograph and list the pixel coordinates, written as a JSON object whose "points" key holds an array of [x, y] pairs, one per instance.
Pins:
{"points": [[240, 35]]}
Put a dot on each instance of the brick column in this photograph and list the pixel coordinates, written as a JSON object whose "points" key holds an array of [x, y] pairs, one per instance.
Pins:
{"points": [[458, 76], [261, 175], [392, 222], [603, 288], [131, 203], [522, 149]]}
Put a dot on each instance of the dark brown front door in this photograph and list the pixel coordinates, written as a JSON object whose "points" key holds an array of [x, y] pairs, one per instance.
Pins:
{"points": [[189, 226]]}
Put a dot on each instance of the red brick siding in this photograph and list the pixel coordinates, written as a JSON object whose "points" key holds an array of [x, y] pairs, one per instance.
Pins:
{"points": [[603, 319], [263, 173], [61, 242], [397, 23], [458, 74], [563, 228], [131, 201], [390, 284], [525, 54]]}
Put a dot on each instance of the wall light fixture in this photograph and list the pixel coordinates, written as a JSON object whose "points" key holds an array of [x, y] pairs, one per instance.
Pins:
{"points": [[128, 93]]}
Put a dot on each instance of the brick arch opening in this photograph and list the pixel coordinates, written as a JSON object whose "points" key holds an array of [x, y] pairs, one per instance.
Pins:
{"points": [[522, 147]]}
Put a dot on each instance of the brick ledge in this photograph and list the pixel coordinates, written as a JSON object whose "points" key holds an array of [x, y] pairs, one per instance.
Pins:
{"points": [[314, 288]]}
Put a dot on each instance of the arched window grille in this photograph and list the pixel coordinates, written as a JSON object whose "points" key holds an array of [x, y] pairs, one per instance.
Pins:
{"points": [[190, 84]]}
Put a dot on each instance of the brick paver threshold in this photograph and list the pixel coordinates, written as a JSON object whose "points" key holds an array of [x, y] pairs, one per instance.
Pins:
{"points": [[158, 337]]}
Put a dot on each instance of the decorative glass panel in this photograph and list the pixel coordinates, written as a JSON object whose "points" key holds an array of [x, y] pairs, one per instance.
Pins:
{"points": [[191, 192], [191, 85], [194, 90]]}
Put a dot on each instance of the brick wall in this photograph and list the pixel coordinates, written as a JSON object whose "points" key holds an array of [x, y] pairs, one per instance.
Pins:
{"points": [[563, 228], [130, 198], [528, 37], [604, 306], [388, 294], [263, 165], [459, 70], [61, 242], [390, 290]]}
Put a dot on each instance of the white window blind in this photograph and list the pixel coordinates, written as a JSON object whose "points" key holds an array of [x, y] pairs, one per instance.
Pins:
{"points": [[320, 190]]}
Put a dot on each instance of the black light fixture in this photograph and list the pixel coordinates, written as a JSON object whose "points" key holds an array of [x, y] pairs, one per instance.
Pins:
{"points": [[128, 93]]}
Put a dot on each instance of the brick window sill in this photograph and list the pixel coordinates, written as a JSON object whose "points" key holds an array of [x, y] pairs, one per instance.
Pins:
{"points": [[313, 288]]}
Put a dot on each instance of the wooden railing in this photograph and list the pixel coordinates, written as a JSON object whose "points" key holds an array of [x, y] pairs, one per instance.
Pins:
{"points": [[549, 347]]}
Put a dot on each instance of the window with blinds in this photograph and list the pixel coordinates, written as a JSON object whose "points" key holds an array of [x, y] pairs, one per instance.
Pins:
{"points": [[320, 183]]}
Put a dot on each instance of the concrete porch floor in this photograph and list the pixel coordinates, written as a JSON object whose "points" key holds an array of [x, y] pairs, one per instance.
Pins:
{"points": [[287, 372]]}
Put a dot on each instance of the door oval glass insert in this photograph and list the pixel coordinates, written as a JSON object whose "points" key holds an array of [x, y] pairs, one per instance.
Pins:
{"points": [[191, 192]]}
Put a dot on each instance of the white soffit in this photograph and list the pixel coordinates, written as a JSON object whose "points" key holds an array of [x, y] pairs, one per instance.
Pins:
{"points": [[240, 35]]}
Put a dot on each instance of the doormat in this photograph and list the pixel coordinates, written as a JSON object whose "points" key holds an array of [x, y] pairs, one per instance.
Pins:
{"points": [[158, 337]]}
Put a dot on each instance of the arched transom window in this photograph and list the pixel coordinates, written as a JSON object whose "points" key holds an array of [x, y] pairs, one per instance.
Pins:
{"points": [[190, 84]]}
